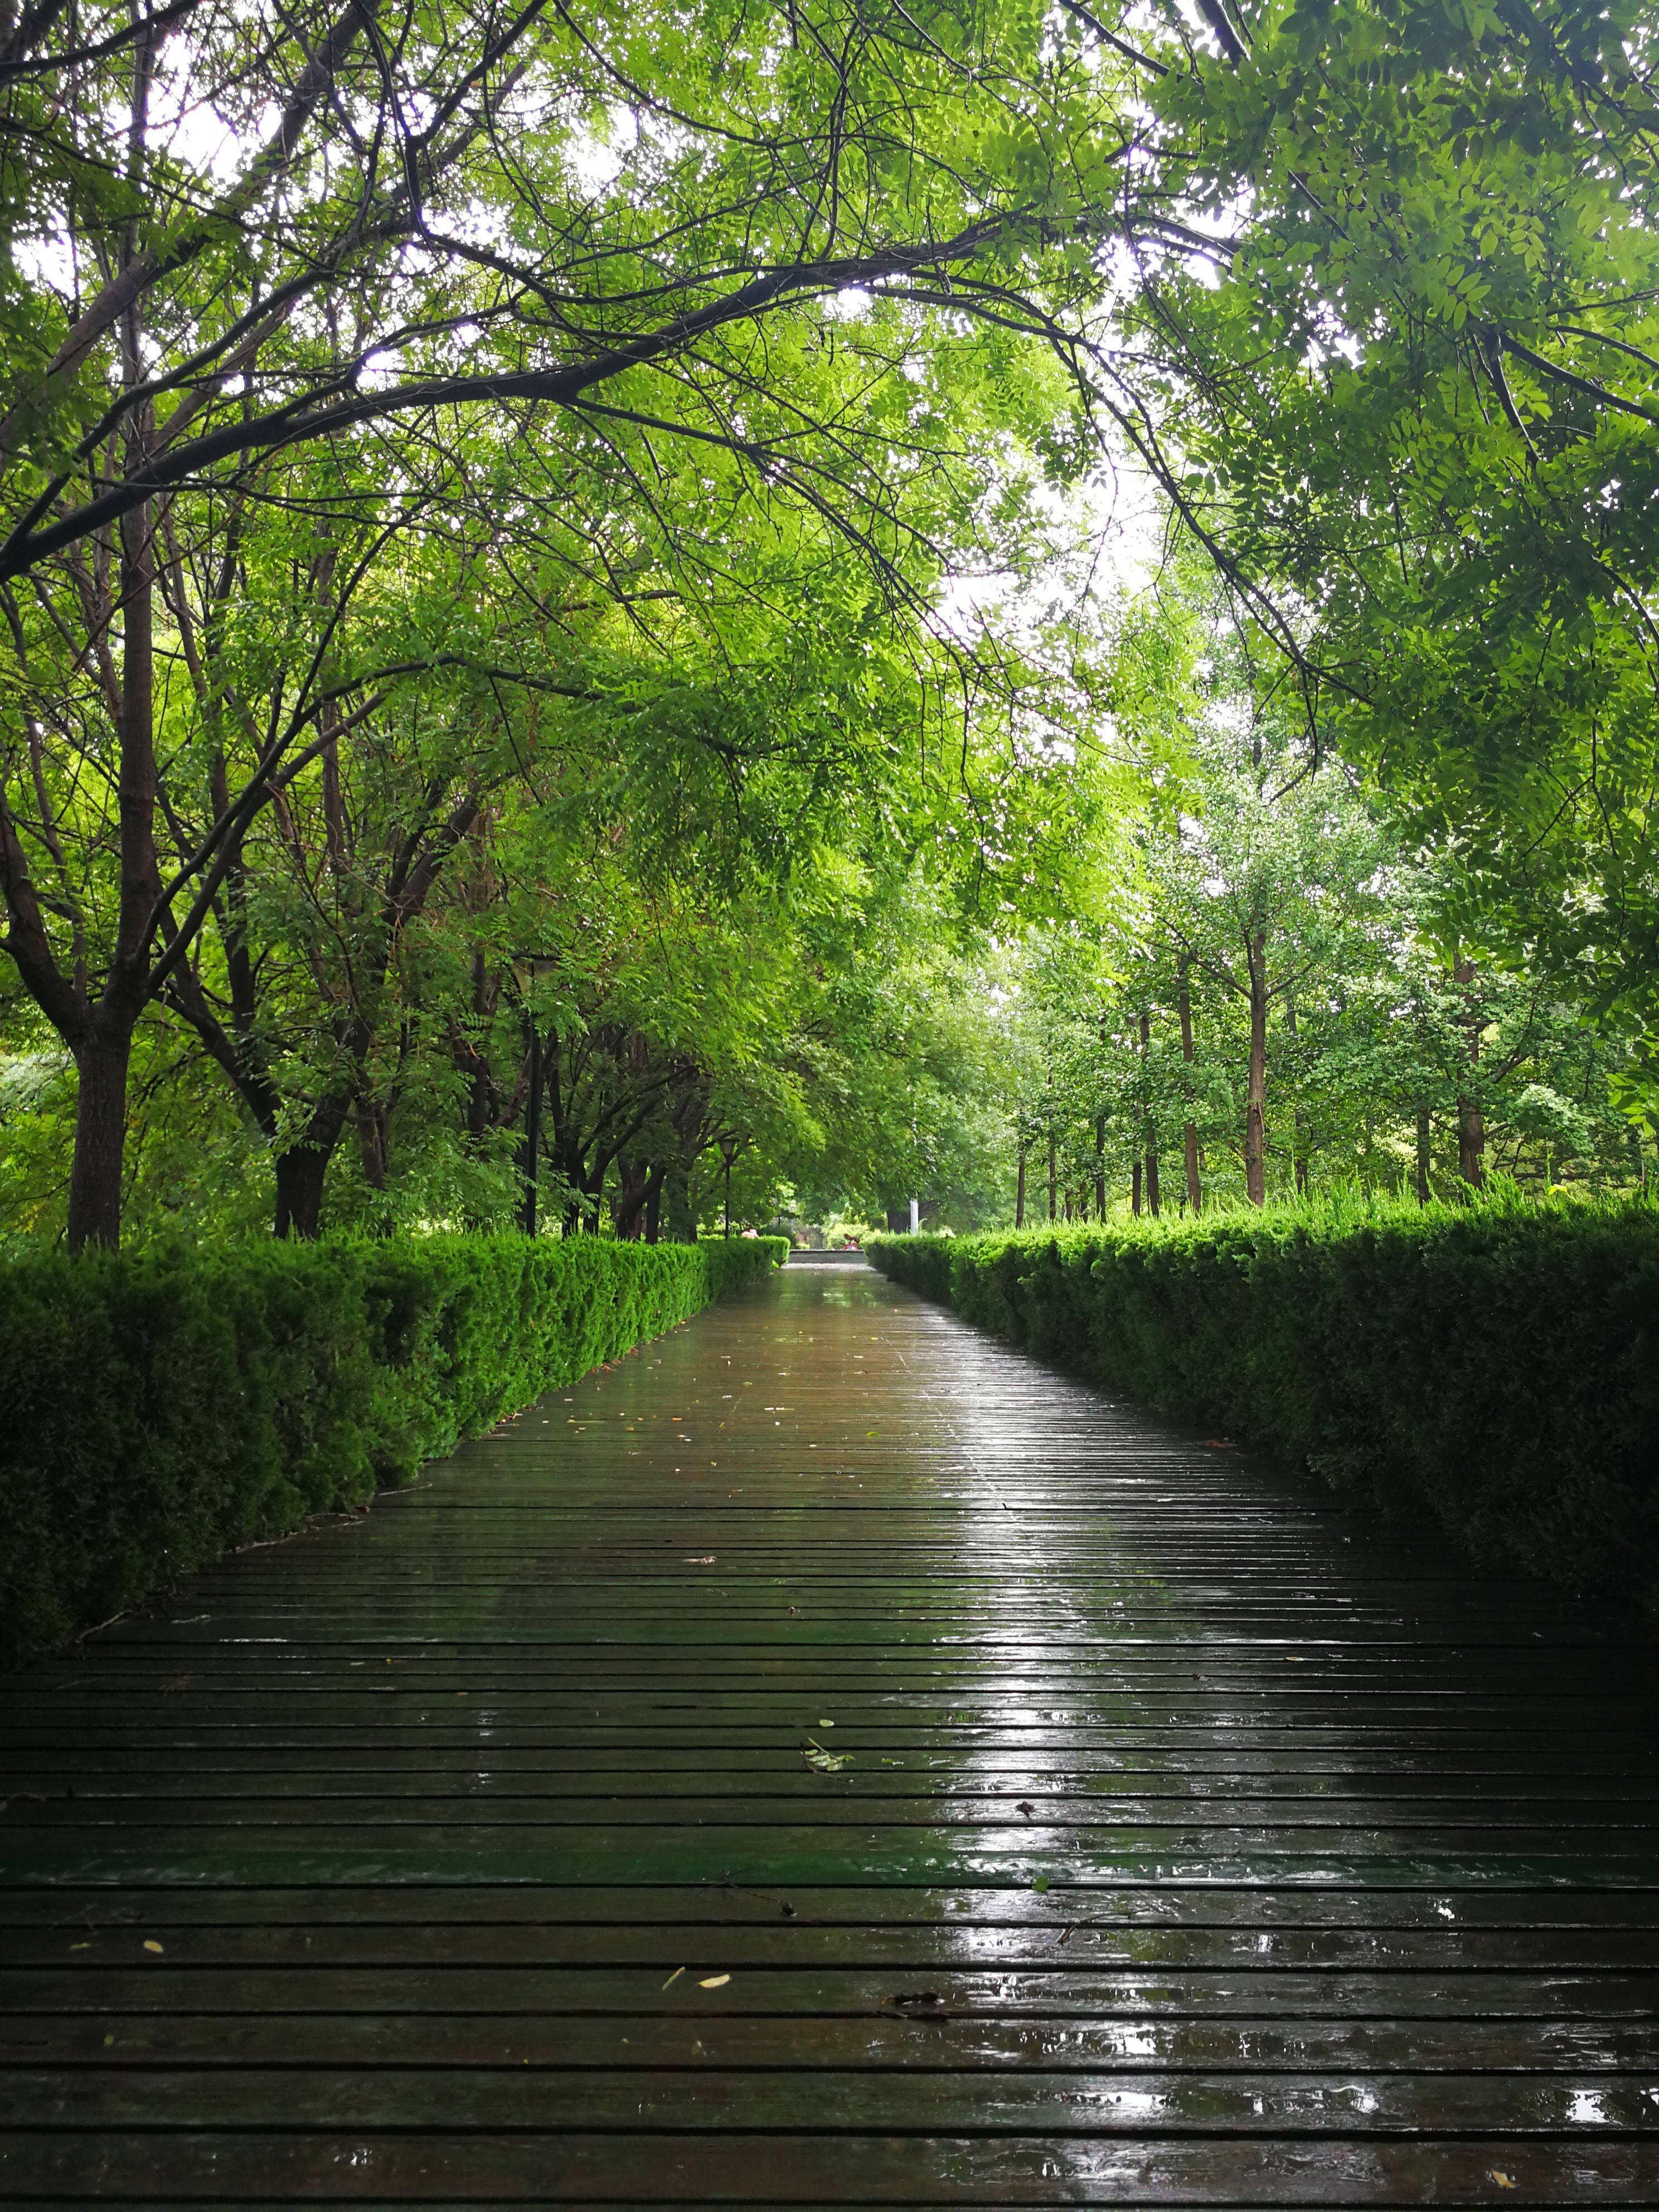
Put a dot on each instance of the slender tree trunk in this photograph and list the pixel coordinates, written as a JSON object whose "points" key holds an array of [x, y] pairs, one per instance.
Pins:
{"points": [[1100, 1167], [1051, 1174], [1019, 1193], [1471, 1122], [1151, 1126], [1299, 1124], [1134, 1190], [104, 1052], [1189, 1129], [1423, 1193], [376, 1140], [1255, 1104]]}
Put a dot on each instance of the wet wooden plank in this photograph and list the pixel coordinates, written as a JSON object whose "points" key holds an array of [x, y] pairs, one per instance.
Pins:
{"points": [[1194, 1839]]}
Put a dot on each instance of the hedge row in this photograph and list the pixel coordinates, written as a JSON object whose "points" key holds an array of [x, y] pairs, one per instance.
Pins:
{"points": [[157, 1409], [1497, 1369]]}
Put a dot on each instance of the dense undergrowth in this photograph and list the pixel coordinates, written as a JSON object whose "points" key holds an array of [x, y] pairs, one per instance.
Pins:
{"points": [[156, 1408], [1494, 1367]]}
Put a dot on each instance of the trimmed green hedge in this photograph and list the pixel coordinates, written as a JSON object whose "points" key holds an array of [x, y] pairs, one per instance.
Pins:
{"points": [[157, 1409], [1496, 1368]]}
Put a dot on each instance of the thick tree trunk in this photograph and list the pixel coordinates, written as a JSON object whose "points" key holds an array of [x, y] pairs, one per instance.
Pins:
{"points": [[100, 1131], [300, 1175], [1423, 1193], [628, 1207], [1471, 1122], [1255, 1103], [302, 1170], [1189, 1129]]}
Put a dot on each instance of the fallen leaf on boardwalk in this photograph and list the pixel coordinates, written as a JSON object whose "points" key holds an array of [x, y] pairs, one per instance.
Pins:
{"points": [[708, 1562], [673, 1978], [1504, 2180], [151, 1944], [713, 1981], [824, 1723], [1026, 1807], [80, 1947], [822, 1761], [1042, 1882]]}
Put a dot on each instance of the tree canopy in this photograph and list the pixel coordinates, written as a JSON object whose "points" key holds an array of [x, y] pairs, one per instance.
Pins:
{"points": [[578, 542]]}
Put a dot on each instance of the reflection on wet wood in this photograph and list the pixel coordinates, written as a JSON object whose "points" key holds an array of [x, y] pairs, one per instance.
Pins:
{"points": [[831, 1761]]}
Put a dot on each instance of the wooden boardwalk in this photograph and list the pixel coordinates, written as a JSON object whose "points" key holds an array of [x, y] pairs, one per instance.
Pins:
{"points": [[832, 1761]]}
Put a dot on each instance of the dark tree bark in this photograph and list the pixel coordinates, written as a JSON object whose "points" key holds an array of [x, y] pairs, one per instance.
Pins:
{"points": [[1298, 1126], [1423, 1193], [301, 1172], [1151, 1128], [628, 1207], [1019, 1193], [1189, 1130], [1255, 1104], [1471, 1122]]}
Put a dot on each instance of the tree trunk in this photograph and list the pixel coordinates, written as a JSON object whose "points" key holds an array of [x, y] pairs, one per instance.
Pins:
{"points": [[1256, 1104], [676, 1189], [1423, 1193], [100, 1130], [302, 1170], [653, 1202], [1100, 1167], [1298, 1127], [1471, 1122], [300, 1173], [376, 1144], [1151, 1126], [104, 1050], [1020, 1194], [628, 1207], [1134, 1190], [1051, 1174], [1189, 1129]]}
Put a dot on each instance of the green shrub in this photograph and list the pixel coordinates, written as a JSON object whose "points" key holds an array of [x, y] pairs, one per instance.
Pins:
{"points": [[1495, 1367], [157, 1407]]}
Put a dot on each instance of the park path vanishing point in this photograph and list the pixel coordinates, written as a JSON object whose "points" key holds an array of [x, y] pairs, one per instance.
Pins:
{"points": [[832, 1759]]}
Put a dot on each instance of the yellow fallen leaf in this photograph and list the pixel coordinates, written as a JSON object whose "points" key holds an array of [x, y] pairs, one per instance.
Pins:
{"points": [[1504, 2180], [673, 1978], [80, 1947], [150, 1944], [714, 1982]]}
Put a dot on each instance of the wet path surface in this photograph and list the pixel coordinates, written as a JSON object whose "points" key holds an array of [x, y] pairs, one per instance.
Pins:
{"points": [[831, 1760]]}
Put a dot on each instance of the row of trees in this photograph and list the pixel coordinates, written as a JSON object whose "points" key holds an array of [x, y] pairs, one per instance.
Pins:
{"points": [[482, 498]]}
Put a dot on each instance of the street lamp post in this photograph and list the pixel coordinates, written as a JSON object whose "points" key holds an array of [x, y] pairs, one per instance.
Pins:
{"points": [[728, 1153]]}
